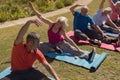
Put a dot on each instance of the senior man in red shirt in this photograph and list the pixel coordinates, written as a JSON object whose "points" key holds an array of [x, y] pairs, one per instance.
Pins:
{"points": [[24, 55]]}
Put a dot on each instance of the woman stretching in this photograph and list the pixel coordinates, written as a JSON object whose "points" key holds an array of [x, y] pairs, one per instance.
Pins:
{"points": [[58, 40]]}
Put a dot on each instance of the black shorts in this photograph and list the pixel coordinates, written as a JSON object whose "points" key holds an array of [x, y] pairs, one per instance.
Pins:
{"points": [[30, 74]]}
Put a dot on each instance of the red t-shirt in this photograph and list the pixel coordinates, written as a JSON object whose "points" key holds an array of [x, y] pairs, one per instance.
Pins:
{"points": [[22, 59]]}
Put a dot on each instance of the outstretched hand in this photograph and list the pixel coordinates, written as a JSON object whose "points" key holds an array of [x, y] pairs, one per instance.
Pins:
{"points": [[104, 35], [36, 22], [80, 4], [30, 4]]}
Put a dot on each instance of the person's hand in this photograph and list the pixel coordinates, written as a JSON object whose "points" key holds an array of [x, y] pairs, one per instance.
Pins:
{"points": [[103, 0], [30, 4], [80, 4], [36, 22], [104, 35]]}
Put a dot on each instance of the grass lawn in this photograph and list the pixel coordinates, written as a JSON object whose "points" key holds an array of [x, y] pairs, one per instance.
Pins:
{"points": [[109, 70]]}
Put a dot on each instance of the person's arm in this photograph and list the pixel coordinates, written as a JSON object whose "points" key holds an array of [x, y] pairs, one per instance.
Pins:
{"points": [[102, 4], [94, 26], [39, 15], [71, 41], [50, 70], [24, 29], [113, 25], [111, 3], [72, 9]]}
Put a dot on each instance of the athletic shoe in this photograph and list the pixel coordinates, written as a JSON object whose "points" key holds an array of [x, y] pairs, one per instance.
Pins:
{"points": [[92, 54], [95, 42], [58, 50]]}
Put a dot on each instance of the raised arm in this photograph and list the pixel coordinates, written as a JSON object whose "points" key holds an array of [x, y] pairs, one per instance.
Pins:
{"points": [[111, 3], [72, 9], [24, 29], [39, 15], [50, 70], [102, 4]]}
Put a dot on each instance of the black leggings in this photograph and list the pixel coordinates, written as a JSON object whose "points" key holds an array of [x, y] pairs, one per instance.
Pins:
{"points": [[92, 34]]}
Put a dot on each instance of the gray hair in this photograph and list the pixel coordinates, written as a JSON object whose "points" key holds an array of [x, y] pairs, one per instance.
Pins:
{"points": [[33, 37]]}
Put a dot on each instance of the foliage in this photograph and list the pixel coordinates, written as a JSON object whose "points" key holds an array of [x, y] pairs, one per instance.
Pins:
{"points": [[108, 70], [59, 4], [67, 2], [14, 9]]}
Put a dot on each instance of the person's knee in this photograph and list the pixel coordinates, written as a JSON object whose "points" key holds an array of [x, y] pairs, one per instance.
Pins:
{"points": [[78, 34]]}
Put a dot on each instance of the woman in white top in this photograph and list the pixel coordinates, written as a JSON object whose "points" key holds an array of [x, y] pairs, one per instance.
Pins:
{"points": [[102, 16]]}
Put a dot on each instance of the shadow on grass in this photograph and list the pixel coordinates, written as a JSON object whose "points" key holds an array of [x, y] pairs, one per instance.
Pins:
{"points": [[50, 60], [6, 62]]}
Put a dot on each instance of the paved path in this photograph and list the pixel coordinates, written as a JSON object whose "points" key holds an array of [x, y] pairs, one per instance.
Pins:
{"points": [[49, 14]]}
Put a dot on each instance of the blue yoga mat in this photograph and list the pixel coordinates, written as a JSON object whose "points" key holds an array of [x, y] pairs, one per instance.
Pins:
{"points": [[7, 71], [66, 57]]}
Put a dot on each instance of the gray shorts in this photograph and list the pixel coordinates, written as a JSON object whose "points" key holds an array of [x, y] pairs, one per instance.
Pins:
{"points": [[64, 46]]}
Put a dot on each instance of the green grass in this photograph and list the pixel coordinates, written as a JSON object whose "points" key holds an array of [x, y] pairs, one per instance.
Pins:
{"points": [[109, 70]]}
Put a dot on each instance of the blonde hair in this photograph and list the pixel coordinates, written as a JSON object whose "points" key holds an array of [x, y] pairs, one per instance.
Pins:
{"points": [[108, 10], [63, 20]]}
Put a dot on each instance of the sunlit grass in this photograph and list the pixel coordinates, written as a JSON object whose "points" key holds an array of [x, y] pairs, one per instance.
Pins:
{"points": [[109, 70]]}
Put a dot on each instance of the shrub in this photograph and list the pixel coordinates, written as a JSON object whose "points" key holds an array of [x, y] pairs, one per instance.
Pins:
{"points": [[3, 17], [51, 6], [42, 9], [14, 9], [67, 2], [59, 4]]}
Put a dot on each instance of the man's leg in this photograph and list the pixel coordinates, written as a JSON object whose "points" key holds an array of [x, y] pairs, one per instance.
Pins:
{"points": [[35, 74], [92, 34], [12, 76], [108, 40], [79, 35]]}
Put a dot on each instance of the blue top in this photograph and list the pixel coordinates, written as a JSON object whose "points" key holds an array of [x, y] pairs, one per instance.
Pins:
{"points": [[115, 1], [81, 22]]}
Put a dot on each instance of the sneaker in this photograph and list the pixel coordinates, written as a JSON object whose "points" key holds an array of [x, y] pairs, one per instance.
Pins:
{"points": [[95, 42], [91, 55]]}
